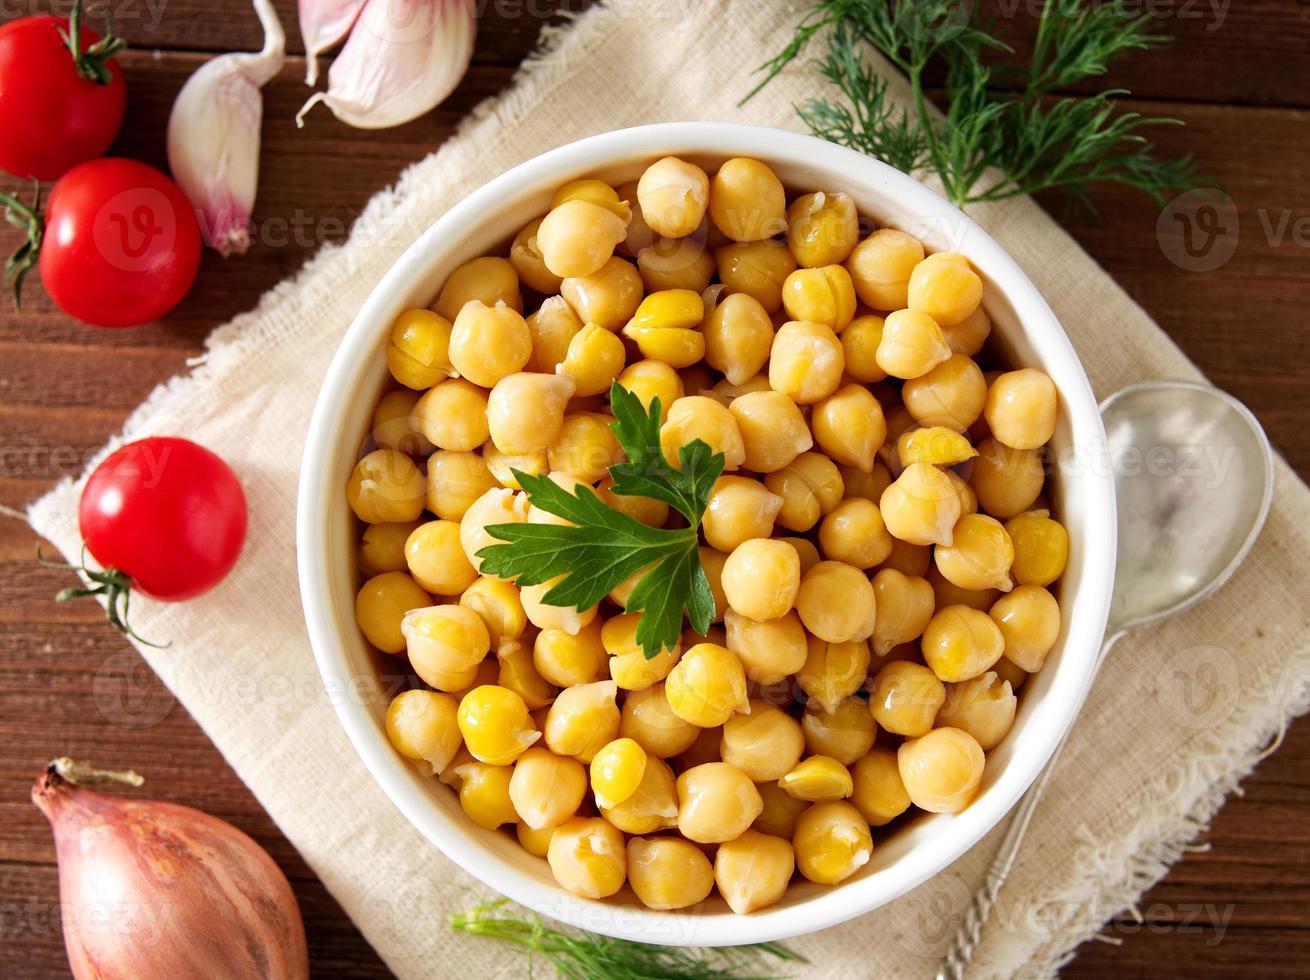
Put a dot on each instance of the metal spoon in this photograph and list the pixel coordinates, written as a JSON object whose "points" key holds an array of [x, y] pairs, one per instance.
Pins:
{"points": [[1194, 476]]}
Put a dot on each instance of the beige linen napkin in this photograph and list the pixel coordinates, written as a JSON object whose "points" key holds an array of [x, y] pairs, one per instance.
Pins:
{"points": [[1145, 769]]}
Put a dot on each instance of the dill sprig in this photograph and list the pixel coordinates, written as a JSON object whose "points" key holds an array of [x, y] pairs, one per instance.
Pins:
{"points": [[587, 956], [1004, 130]]}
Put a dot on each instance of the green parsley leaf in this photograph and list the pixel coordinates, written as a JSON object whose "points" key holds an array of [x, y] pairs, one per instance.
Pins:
{"points": [[601, 548]]}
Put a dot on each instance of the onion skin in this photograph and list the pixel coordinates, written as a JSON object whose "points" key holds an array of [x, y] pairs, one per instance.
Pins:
{"points": [[156, 890]]}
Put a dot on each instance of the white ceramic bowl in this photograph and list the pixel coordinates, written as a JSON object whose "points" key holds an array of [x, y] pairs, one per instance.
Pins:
{"points": [[327, 533]]}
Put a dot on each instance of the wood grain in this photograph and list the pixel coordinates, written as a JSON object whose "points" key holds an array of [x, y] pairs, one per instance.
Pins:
{"points": [[68, 685]]}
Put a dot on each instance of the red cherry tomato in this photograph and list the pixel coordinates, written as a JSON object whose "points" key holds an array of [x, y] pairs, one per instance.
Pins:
{"points": [[55, 111], [121, 244], [167, 513]]}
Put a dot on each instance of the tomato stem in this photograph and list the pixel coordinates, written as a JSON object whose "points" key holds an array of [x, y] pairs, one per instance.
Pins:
{"points": [[114, 585], [26, 219], [93, 63]]}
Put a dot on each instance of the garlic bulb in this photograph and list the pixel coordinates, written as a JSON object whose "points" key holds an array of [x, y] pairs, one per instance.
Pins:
{"points": [[401, 59], [322, 24], [213, 135]]}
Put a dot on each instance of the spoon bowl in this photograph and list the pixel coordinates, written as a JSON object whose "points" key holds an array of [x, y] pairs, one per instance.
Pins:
{"points": [[1194, 477]]}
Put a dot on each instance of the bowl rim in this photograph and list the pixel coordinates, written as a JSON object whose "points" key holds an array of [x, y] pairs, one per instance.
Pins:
{"points": [[1037, 323]]}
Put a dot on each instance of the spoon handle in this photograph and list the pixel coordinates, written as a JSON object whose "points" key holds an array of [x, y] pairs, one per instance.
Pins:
{"points": [[980, 906]]}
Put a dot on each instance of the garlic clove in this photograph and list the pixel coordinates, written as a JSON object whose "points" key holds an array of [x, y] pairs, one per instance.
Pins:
{"points": [[322, 24], [213, 136], [402, 58]]}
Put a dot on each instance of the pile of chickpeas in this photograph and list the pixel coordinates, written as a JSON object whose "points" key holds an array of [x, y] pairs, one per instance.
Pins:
{"points": [[879, 547]]}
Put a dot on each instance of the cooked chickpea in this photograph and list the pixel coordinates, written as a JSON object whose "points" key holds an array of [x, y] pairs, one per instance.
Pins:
{"points": [[517, 673], [905, 697], [833, 671], [881, 266], [761, 578], [909, 559], [960, 643], [716, 803], [647, 510], [1021, 409], [422, 726], [824, 295], [616, 771], [810, 487], [394, 424], [944, 287], [836, 603], [764, 744], [548, 616], [382, 547], [753, 870], [770, 650], [552, 327], [503, 465], [489, 342], [806, 361], [497, 506], [443, 641], [525, 257], [525, 412], [535, 842], [494, 722], [739, 509], [979, 556], [567, 659], [822, 228], [653, 806], [676, 346], [651, 379], [386, 487], [819, 778], [419, 352], [668, 873], [484, 794], [1007, 481], [968, 336], [832, 842], [1029, 623], [947, 593], [952, 394], [488, 280], [577, 237], [982, 707], [780, 813], [497, 603], [595, 191], [583, 719], [455, 482], [905, 605], [700, 417], [857, 483], [628, 664], [546, 789], [860, 342], [849, 427], [648, 720], [879, 792], [738, 336], [453, 415], [607, 297], [707, 685], [676, 263], [921, 506], [436, 559], [673, 195], [1041, 548], [756, 268], [806, 550], [594, 359], [845, 733], [935, 445], [912, 344], [854, 533], [586, 447], [941, 770], [588, 857], [747, 201], [772, 428]]}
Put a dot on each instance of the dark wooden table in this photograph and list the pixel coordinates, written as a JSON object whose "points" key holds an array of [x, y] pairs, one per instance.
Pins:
{"points": [[1240, 79]]}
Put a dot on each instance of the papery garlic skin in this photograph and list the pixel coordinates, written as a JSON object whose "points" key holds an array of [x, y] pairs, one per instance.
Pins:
{"points": [[402, 58], [322, 24], [213, 136]]}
